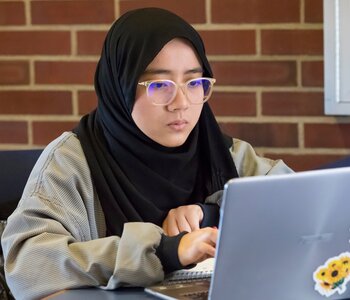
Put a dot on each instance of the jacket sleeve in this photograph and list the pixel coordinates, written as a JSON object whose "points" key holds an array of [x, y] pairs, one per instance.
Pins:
{"points": [[56, 237], [248, 163]]}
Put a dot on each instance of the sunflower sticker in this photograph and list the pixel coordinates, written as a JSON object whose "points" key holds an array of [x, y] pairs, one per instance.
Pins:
{"points": [[333, 276]]}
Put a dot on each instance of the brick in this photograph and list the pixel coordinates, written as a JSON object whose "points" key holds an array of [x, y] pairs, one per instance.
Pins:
{"points": [[14, 72], [255, 73], [72, 12], [229, 42], [13, 132], [306, 42], [255, 11], [34, 42], [304, 162], [45, 132], [312, 73], [314, 11], [292, 104], [35, 102], [264, 134], [12, 13], [192, 11], [64, 72], [233, 104], [327, 135], [87, 101], [90, 42]]}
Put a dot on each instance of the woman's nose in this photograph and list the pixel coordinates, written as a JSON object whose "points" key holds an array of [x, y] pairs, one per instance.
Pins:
{"points": [[180, 101]]}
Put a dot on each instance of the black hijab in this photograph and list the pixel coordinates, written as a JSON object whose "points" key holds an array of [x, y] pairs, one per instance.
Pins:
{"points": [[137, 179]]}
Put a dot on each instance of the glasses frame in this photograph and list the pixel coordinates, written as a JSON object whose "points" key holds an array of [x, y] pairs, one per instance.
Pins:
{"points": [[147, 83]]}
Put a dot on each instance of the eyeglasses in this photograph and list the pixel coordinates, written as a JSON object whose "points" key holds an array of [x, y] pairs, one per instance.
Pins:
{"points": [[163, 92]]}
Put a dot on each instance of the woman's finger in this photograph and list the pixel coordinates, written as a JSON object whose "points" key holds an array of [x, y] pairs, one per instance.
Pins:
{"points": [[182, 224], [165, 227], [172, 225], [207, 249]]}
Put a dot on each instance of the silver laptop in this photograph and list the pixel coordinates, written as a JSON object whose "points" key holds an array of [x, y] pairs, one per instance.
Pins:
{"points": [[281, 237]]}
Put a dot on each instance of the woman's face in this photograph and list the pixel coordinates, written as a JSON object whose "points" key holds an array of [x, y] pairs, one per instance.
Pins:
{"points": [[169, 125]]}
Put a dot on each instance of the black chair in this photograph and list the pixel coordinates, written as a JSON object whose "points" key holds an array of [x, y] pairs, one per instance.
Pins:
{"points": [[15, 167], [341, 163]]}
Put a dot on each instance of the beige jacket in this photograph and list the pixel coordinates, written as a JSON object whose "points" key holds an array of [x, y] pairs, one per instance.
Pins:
{"points": [[56, 237]]}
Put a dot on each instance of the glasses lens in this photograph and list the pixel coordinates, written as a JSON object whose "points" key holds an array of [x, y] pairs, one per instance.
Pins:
{"points": [[199, 90], [161, 91]]}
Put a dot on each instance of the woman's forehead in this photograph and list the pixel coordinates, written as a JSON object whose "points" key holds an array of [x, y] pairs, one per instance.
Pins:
{"points": [[177, 54]]}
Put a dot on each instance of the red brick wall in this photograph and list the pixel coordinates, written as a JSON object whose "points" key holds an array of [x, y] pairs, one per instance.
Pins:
{"points": [[267, 57]]}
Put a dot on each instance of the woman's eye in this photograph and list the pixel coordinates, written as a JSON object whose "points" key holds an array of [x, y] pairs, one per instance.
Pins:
{"points": [[195, 83], [159, 85]]}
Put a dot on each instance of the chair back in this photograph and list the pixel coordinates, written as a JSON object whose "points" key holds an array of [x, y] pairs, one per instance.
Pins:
{"points": [[15, 167], [340, 163]]}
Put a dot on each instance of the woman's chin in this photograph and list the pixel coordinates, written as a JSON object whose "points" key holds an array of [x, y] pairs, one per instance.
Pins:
{"points": [[173, 141]]}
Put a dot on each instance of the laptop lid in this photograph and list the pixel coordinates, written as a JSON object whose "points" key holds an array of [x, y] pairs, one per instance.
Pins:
{"points": [[284, 237]]}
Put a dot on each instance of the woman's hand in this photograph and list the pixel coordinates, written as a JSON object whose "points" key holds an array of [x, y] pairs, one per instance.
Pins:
{"points": [[197, 246], [183, 218]]}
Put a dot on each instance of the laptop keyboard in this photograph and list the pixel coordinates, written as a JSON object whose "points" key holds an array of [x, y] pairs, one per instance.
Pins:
{"points": [[202, 295], [186, 281], [195, 289]]}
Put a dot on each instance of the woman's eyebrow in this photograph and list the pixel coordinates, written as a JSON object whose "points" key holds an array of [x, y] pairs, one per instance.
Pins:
{"points": [[195, 70], [157, 71], [165, 71]]}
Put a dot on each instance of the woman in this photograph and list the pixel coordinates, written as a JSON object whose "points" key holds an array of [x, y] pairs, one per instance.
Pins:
{"points": [[132, 192]]}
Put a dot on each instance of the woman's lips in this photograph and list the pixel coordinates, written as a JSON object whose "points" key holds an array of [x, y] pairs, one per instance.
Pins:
{"points": [[178, 125]]}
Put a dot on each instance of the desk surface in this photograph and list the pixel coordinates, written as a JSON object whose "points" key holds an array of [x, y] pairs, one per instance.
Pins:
{"points": [[94, 293]]}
